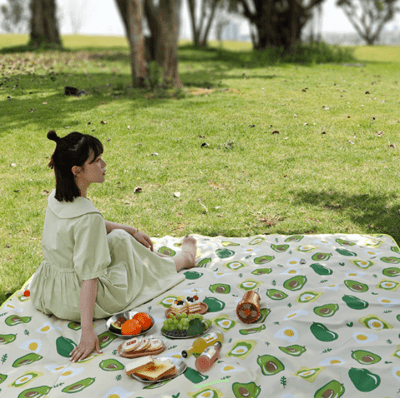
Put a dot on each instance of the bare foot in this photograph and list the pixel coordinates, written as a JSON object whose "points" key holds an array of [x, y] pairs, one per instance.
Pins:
{"points": [[187, 258]]}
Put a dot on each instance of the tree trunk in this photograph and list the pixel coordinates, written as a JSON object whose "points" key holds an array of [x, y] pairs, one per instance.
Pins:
{"points": [[44, 25], [164, 26], [131, 14]]}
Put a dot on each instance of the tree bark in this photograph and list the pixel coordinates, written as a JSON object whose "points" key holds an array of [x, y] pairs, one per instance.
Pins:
{"points": [[44, 25], [131, 14], [164, 21]]}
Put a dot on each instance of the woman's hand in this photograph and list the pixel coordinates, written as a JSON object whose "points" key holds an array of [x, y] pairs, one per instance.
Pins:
{"points": [[144, 239], [89, 342]]}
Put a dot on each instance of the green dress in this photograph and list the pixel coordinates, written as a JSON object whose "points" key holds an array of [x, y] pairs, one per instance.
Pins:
{"points": [[76, 247]]}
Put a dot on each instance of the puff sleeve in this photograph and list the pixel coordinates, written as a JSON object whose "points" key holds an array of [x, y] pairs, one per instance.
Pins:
{"points": [[91, 253]]}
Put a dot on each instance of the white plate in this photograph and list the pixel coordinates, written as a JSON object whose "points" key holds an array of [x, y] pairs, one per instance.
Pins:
{"points": [[179, 363]]}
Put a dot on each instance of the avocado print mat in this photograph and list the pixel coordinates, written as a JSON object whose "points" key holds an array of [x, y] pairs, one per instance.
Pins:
{"points": [[329, 326]]}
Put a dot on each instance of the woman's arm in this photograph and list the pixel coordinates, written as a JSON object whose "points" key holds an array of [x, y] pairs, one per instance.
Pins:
{"points": [[138, 235], [89, 340]]}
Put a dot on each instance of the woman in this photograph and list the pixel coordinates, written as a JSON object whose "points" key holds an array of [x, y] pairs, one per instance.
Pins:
{"points": [[94, 268]]}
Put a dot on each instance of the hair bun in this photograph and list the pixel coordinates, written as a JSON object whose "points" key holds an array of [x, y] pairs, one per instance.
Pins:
{"points": [[52, 135]]}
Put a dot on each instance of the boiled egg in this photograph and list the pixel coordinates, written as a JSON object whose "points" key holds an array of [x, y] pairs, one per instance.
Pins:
{"points": [[33, 345], [293, 262], [322, 242], [288, 333], [70, 372], [396, 373], [231, 369], [291, 271], [332, 361], [55, 368], [372, 252], [47, 327], [118, 392], [295, 314], [192, 291], [354, 274], [332, 287], [221, 274], [363, 338], [11, 307], [388, 302]]}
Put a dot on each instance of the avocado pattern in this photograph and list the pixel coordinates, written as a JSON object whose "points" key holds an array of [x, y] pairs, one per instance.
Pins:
{"points": [[328, 303]]}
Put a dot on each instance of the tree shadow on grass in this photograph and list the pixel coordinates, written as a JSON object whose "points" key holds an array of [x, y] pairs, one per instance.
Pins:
{"points": [[373, 213]]}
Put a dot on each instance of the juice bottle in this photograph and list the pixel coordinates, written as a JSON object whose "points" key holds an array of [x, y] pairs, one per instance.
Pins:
{"points": [[201, 343], [208, 357]]}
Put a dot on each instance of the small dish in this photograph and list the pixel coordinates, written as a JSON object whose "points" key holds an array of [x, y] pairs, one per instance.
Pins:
{"points": [[203, 310], [127, 315], [179, 363]]}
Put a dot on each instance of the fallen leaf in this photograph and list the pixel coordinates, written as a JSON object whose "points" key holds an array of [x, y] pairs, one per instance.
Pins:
{"points": [[13, 165], [45, 192], [103, 122], [323, 132], [304, 91], [177, 194], [154, 154], [137, 190], [392, 146], [367, 92], [351, 142], [379, 133], [89, 123], [275, 132], [204, 144], [252, 125], [129, 127], [44, 103], [202, 136]]}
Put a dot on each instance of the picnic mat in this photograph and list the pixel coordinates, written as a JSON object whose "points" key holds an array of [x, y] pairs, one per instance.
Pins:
{"points": [[329, 326]]}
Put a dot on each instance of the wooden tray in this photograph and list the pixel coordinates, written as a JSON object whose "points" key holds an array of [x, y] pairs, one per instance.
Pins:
{"points": [[139, 354], [203, 310]]}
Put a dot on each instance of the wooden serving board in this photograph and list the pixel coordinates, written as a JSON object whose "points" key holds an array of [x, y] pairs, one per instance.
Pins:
{"points": [[139, 354], [203, 310]]}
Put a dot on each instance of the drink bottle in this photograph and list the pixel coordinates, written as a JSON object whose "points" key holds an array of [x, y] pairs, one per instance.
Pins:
{"points": [[201, 343], [208, 357]]}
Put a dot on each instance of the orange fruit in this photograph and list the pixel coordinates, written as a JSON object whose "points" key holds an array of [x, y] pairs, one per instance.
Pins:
{"points": [[131, 327], [144, 319]]}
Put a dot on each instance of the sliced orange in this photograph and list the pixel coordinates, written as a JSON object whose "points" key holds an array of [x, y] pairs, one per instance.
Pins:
{"points": [[144, 319], [131, 327]]}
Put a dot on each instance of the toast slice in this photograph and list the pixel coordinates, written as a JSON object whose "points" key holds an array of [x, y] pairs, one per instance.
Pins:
{"points": [[156, 371], [138, 364]]}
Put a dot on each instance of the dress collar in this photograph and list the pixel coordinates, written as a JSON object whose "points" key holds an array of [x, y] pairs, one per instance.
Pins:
{"points": [[78, 207]]}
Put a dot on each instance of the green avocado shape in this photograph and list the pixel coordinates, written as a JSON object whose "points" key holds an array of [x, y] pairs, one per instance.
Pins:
{"points": [[26, 360], [395, 249], [36, 392], [333, 389], [111, 365], [322, 333], [355, 303], [326, 310], [263, 259], [279, 248], [294, 350], [64, 346], [221, 288], [246, 390], [364, 380], [295, 283], [25, 378], [270, 365], [167, 251], [106, 338], [262, 271], [275, 294], [2, 377], [252, 330], [355, 286], [344, 242], [264, 312], [74, 325], [391, 260], [13, 320], [320, 269], [227, 243], [321, 256], [392, 272], [194, 376], [365, 357], [203, 263], [214, 305], [7, 338], [79, 385], [345, 252], [193, 275], [294, 238], [224, 253]]}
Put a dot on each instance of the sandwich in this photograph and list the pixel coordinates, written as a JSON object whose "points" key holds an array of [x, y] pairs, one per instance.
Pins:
{"points": [[138, 364]]}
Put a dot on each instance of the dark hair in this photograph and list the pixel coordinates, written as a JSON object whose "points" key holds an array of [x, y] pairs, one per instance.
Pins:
{"points": [[72, 150]]}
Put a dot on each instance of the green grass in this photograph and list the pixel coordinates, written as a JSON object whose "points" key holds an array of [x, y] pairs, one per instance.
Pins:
{"points": [[248, 180]]}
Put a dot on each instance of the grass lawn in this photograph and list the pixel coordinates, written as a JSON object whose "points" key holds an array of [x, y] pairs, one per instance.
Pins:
{"points": [[332, 168]]}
